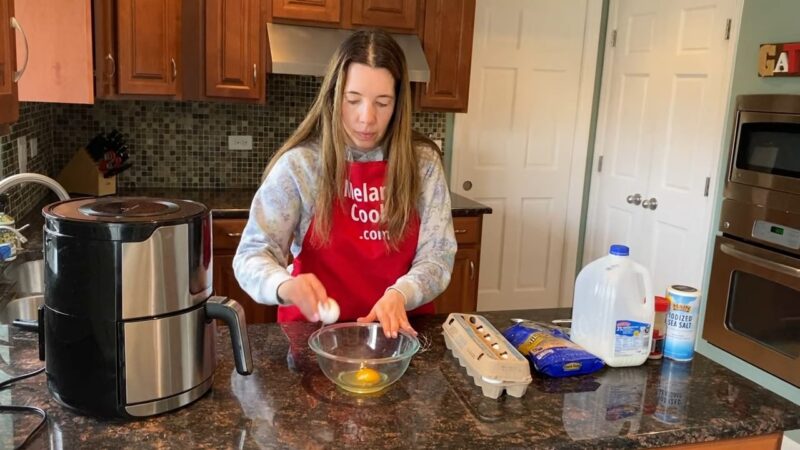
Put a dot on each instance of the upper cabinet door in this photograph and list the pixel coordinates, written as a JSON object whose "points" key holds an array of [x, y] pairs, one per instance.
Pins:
{"points": [[61, 68], [327, 11], [447, 40], [9, 106], [393, 14], [234, 65], [148, 42]]}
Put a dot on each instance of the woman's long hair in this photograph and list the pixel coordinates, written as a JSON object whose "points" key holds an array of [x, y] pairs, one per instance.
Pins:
{"points": [[377, 49]]}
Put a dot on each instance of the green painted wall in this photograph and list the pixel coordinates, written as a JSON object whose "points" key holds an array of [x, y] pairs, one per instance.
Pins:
{"points": [[762, 22]]}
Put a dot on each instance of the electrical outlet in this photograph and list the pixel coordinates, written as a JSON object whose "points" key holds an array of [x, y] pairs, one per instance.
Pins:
{"points": [[22, 153], [240, 142], [34, 146]]}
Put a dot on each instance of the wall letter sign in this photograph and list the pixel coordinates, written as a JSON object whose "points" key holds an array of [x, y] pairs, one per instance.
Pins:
{"points": [[779, 60]]}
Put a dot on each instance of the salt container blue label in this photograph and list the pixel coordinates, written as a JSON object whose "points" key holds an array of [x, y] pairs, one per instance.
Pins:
{"points": [[684, 305]]}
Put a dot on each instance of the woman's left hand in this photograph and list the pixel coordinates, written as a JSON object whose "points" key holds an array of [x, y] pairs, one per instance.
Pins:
{"points": [[390, 311]]}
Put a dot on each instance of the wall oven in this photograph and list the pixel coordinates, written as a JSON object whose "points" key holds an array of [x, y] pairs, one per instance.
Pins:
{"points": [[753, 301]]}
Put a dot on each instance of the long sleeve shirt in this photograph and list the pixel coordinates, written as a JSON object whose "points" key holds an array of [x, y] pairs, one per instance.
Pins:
{"points": [[284, 205]]}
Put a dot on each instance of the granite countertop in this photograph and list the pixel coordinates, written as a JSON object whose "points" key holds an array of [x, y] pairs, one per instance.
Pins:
{"points": [[288, 402], [235, 203]]}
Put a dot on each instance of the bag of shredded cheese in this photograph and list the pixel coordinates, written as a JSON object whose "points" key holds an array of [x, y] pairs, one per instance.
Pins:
{"points": [[550, 350]]}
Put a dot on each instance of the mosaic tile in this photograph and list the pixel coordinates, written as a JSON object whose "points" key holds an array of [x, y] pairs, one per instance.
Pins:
{"points": [[178, 144]]}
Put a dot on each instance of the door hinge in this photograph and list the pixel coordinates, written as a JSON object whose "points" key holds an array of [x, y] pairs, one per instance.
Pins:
{"points": [[600, 164], [613, 38], [708, 184], [728, 30]]}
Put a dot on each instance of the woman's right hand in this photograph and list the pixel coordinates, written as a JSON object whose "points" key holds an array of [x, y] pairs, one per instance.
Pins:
{"points": [[304, 291]]}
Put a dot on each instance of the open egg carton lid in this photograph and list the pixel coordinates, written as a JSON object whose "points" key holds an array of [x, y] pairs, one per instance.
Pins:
{"points": [[492, 362]]}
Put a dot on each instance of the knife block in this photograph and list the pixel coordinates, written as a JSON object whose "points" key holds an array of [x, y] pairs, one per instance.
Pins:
{"points": [[81, 176]]}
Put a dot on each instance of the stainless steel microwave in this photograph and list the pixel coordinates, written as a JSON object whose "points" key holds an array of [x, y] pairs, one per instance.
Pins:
{"points": [[753, 304], [766, 143]]}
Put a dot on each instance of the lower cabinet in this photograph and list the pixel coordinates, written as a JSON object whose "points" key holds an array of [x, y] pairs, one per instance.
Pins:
{"points": [[226, 238], [460, 296]]}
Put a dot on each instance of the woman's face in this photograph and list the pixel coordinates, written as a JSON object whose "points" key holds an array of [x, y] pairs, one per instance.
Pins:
{"points": [[367, 105]]}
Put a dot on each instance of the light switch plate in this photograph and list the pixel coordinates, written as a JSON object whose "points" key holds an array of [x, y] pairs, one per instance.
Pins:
{"points": [[22, 153], [34, 146], [240, 142]]}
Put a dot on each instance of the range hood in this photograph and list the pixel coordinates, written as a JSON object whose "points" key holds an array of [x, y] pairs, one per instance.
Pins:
{"points": [[303, 50]]}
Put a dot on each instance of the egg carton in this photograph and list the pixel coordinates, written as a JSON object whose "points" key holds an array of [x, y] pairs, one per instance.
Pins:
{"points": [[492, 362]]}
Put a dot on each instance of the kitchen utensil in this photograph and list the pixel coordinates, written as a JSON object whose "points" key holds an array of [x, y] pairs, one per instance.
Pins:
{"points": [[359, 358], [126, 322], [492, 362]]}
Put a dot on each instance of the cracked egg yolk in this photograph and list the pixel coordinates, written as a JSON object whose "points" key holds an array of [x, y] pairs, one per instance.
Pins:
{"points": [[367, 376]]}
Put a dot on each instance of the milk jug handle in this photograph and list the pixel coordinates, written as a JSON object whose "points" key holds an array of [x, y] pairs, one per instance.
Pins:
{"points": [[648, 286]]}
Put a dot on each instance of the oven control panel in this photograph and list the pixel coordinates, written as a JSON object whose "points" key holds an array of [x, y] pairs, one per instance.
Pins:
{"points": [[777, 234]]}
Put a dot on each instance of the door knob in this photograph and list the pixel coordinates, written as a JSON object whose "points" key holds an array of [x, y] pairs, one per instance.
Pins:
{"points": [[651, 203], [467, 185], [635, 199]]}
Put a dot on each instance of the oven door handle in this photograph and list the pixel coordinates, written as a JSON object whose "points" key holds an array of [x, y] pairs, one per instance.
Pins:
{"points": [[765, 263]]}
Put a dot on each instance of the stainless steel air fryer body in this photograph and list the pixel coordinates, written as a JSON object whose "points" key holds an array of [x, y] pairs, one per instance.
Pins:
{"points": [[127, 326]]}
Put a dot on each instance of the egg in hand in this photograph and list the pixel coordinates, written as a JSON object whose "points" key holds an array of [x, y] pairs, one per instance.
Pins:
{"points": [[328, 311]]}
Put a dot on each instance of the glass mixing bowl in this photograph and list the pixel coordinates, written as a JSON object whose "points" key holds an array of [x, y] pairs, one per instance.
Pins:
{"points": [[358, 357]]}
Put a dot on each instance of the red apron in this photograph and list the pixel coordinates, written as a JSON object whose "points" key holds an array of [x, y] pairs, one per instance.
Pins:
{"points": [[356, 266]]}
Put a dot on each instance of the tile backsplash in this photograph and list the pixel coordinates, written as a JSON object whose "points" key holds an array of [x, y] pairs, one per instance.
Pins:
{"points": [[173, 144], [35, 122]]}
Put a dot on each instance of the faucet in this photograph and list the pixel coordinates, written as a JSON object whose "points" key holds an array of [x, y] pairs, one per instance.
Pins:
{"points": [[29, 177]]}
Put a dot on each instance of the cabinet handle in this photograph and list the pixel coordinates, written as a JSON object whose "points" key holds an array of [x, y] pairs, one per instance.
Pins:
{"points": [[471, 270], [110, 59], [15, 25], [174, 69], [234, 235], [460, 231], [255, 75]]}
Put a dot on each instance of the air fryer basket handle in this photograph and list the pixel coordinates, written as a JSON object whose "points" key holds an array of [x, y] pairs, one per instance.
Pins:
{"points": [[231, 312], [40, 331]]}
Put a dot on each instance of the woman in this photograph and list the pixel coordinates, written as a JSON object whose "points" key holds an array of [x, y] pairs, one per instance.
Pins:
{"points": [[359, 200]]}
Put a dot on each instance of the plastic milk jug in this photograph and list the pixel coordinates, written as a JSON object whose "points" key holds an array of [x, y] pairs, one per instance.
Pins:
{"points": [[613, 309]]}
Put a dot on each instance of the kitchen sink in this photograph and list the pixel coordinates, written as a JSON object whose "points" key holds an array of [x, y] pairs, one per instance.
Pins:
{"points": [[23, 308], [26, 274], [25, 279]]}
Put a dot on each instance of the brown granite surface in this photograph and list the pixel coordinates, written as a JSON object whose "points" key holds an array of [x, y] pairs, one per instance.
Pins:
{"points": [[235, 203], [288, 403]]}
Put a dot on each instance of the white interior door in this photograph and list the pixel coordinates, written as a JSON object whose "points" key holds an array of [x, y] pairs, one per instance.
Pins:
{"points": [[522, 145], [664, 98]]}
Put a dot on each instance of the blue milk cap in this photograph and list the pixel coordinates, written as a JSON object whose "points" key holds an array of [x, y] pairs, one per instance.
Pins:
{"points": [[619, 250]]}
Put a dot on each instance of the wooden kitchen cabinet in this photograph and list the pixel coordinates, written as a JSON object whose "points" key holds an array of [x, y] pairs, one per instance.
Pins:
{"points": [[461, 294], [60, 63], [226, 234], [9, 103], [390, 14], [235, 49], [320, 11], [148, 33], [447, 41], [181, 49], [397, 16], [137, 48]]}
